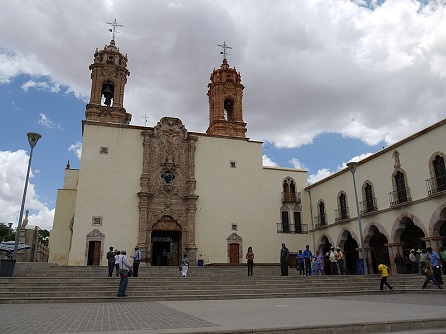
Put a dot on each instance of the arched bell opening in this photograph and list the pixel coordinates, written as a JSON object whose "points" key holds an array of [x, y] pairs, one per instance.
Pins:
{"points": [[108, 91]]}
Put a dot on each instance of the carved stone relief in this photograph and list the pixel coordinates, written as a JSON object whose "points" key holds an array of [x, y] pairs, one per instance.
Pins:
{"points": [[168, 181]]}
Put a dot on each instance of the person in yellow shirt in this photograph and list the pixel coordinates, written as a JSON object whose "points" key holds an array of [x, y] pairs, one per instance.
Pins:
{"points": [[384, 271]]}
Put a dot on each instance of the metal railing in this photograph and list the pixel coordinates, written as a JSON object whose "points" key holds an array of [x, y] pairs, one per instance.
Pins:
{"points": [[291, 197], [292, 228], [341, 214], [436, 184], [320, 220], [368, 206], [400, 196]]}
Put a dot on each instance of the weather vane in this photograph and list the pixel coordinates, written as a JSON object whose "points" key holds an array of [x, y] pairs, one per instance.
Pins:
{"points": [[114, 24], [225, 47]]}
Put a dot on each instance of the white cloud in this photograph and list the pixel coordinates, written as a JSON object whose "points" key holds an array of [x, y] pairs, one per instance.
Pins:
{"points": [[46, 122], [355, 158], [12, 182], [307, 66], [41, 86], [321, 174], [297, 164], [76, 149], [268, 162]]}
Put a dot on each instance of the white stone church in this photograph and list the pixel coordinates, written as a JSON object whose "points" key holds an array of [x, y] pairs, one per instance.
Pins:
{"points": [[209, 196]]}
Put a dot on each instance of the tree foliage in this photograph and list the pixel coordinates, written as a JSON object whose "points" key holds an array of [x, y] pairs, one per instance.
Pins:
{"points": [[44, 236], [6, 233]]}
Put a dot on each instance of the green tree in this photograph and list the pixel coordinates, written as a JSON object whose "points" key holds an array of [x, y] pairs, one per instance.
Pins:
{"points": [[44, 236], [6, 233]]}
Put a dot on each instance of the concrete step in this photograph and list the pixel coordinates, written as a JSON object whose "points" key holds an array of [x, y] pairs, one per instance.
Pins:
{"points": [[82, 284]]}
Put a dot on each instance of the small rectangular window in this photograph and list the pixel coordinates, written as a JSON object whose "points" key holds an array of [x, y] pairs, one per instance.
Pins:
{"points": [[232, 164], [234, 227], [103, 150]]}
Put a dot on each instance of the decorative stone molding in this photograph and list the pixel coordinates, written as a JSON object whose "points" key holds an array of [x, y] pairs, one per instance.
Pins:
{"points": [[168, 182]]}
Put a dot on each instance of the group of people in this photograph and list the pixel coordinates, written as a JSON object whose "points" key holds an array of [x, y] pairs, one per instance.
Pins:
{"points": [[308, 264], [428, 261], [118, 260]]}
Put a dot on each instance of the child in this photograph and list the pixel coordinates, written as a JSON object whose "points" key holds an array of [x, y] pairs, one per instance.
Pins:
{"points": [[384, 271], [300, 263]]}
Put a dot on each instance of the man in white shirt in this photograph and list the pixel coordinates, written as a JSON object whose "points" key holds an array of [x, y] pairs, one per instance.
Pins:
{"points": [[136, 261], [124, 267]]}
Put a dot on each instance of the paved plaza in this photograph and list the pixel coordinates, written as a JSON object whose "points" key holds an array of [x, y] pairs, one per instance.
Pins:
{"points": [[411, 313]]}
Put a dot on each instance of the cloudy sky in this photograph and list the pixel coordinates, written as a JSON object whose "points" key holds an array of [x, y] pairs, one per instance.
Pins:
{"points": [[326, 81]]}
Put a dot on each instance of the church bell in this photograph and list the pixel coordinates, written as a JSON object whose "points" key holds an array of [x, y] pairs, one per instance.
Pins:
{"points": [[107, 92]]}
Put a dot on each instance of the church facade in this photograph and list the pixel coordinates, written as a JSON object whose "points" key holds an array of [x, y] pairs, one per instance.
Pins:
{"points": [[202, 194], [209, 196]]}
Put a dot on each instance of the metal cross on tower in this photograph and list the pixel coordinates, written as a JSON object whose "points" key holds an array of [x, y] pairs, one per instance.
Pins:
{"points": [[114, 24], [225, 47], [145, 119]]}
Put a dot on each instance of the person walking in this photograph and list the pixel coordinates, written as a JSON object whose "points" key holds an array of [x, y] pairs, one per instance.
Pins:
{"points": [[117, 259], [427, 270], [136, 261], [435, 264], [110, 261], [124, 266], [184, 265], [333, 257], [341, 261], [284, 256], [384, 271], [250, 260], [307, 258]]}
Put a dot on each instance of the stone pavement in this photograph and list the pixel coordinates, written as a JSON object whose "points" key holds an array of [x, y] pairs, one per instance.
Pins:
{"points": [[413, 313]]}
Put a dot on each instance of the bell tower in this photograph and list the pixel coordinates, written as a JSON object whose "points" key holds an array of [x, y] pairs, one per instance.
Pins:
{"points": [[108, 78], [225, 100]]}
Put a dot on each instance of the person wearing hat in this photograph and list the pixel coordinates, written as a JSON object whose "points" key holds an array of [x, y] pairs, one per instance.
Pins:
{"points": [[110, 261]]}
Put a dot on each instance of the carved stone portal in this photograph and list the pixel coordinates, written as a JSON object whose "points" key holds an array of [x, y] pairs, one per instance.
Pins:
{"points": [[167, 200]]}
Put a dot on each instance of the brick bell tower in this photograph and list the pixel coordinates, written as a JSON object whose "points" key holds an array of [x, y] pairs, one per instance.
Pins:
{"points": [[108, 78], [225, 100]]}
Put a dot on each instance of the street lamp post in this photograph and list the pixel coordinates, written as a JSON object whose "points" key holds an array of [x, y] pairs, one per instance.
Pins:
{"points": [[33, 137], [352, 166]]}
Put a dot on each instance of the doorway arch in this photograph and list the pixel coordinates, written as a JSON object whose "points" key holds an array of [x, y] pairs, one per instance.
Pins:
{"points": [[166, 242]]}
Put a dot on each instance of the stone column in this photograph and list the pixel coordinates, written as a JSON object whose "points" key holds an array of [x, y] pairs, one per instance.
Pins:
{"points": [[394, 248]]}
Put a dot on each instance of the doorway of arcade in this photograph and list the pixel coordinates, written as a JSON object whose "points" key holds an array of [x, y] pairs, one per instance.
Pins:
{"points": [[166, 246]]}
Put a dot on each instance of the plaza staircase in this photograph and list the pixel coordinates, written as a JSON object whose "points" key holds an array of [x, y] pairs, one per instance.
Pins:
{"points": [[52, 283]]}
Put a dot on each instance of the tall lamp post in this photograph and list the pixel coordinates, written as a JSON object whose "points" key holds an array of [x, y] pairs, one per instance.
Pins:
{"points": [[352, 166], [33, 138]]}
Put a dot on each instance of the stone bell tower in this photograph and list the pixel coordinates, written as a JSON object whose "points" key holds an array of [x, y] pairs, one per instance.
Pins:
{"points": [[108, 78], [225, 101]]}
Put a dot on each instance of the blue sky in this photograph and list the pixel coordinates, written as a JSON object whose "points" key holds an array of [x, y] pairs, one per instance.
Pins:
{"points": [[325, 81]]}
